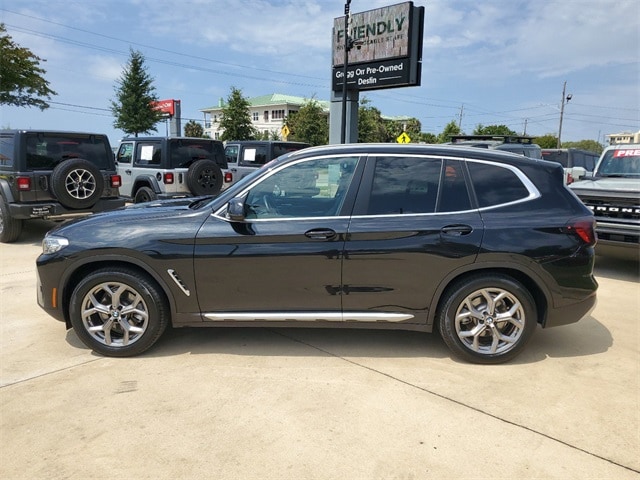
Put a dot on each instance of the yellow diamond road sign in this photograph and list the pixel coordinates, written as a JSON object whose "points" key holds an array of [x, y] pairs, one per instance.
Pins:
{"points": [[403, 138], [285, 131]]}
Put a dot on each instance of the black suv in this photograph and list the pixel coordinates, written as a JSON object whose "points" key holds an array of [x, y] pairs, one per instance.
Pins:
{"points": [[170, 167], [482, 245], [47, 174]]}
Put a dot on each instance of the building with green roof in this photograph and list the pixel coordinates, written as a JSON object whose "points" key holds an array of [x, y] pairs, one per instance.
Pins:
{"points": [[268, 113]]}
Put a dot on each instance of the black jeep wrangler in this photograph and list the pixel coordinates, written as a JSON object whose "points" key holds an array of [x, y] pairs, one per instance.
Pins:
{"points": [[49, 174]]}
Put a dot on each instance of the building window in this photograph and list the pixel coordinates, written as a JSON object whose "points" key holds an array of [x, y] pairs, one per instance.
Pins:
{"points": [[266, 115], [217, 136], [255, 116], [277, 114], [215, 118]]}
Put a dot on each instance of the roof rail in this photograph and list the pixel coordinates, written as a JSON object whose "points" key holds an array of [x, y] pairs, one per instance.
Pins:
{"points": [[501, 138]]}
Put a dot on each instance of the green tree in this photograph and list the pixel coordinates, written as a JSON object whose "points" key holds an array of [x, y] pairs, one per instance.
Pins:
{"points": [[493, 130], [427, 137], [547, 141], [395, 128], [236, 118], [309, 124], [450, 129], [371, 127], [135, 93], [22, 83], [193, 129], [589, 145]]}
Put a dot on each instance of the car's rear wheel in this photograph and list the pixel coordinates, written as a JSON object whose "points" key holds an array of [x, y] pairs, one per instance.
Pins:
{"points": [[204, 177], [10, 228], [118, 312], [144, 194], [77, 183], [487, 318]]}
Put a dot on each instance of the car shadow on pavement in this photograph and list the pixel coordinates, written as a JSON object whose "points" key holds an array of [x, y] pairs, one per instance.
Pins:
{"points": [[584, 338], [587, 337]]}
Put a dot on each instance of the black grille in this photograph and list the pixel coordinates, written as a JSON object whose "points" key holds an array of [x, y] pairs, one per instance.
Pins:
{"points": [[621, 209]]}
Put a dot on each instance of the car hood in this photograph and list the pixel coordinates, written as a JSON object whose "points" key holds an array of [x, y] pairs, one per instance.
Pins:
{"points": [[162, 219], [604, 184]]}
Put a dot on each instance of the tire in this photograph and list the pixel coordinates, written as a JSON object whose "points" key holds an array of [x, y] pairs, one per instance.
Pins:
{"points": [[204, 177], [487, 318], [118, 312], [77, 183], [10, 228], [144, 194]]}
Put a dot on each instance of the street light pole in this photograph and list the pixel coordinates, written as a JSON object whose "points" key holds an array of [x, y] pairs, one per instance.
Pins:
{"points": [[564, 100], [347, 47]]}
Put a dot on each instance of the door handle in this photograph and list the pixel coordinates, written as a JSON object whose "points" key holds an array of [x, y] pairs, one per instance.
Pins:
{"points": [[457, 230], [128, 172], [320, 234]]}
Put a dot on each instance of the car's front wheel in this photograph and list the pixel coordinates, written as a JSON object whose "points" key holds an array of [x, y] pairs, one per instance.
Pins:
{"points": [[487, 318], [118, 312]]}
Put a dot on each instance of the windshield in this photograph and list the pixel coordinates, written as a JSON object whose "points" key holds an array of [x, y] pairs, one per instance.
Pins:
{"points": [[620, 163]]}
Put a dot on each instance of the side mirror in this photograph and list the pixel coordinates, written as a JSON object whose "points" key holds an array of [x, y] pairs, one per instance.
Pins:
{"points": [[235, 210], [578, 172]]}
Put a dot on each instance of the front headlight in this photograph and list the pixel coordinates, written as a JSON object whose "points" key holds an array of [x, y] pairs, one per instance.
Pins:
{"points": [[53, 244]]}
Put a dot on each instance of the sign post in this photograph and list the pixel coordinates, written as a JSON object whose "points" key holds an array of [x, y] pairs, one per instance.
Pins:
{"points": [[387, 54]]}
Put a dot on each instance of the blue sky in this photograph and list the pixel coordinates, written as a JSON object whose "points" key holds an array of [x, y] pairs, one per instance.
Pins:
{"points": [[497, 61]]}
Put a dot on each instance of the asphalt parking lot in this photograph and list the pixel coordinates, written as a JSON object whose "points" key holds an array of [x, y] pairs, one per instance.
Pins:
{"points": [[316, 404]]}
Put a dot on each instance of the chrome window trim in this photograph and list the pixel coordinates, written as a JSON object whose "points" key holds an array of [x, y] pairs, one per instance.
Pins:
{"points": [[534, 193]]}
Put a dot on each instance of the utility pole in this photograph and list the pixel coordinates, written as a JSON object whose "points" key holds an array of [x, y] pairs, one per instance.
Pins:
{"points": [[524, 132], [564, 100], [348, 43], [460, 119]]}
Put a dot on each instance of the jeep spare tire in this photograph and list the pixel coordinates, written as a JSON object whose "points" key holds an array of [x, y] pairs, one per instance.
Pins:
{"points": [[77, 183], [204, 177]]}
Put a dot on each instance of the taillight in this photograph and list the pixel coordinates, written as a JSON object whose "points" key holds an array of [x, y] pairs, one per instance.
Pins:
{"points": [[228, 177], [116, 181], [584, 229], [570, 179], [24, 183], [168, 178]]}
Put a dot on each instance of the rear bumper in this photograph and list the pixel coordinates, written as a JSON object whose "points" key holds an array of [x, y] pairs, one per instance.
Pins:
{"points": [[26, 211], [571, 313]]}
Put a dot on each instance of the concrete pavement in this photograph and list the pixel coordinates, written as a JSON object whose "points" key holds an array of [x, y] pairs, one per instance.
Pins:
{"points": [[316, 404]]}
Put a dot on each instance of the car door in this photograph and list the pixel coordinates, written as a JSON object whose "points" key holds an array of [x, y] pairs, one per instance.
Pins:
{"points": [[413, 223], [286, 255], [124, 158]]}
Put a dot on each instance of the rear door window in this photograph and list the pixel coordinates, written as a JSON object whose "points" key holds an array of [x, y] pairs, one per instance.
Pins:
{"points": [[404, 186], [254, 155], [148, 154], [6, 150]]}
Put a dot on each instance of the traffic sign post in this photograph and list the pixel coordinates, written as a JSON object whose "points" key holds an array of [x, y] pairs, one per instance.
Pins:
{"points": [[403, 138]]}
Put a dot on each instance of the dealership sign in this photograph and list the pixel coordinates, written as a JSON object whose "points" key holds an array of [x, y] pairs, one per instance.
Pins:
{"points": [[167, 107], [387, 48]]}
